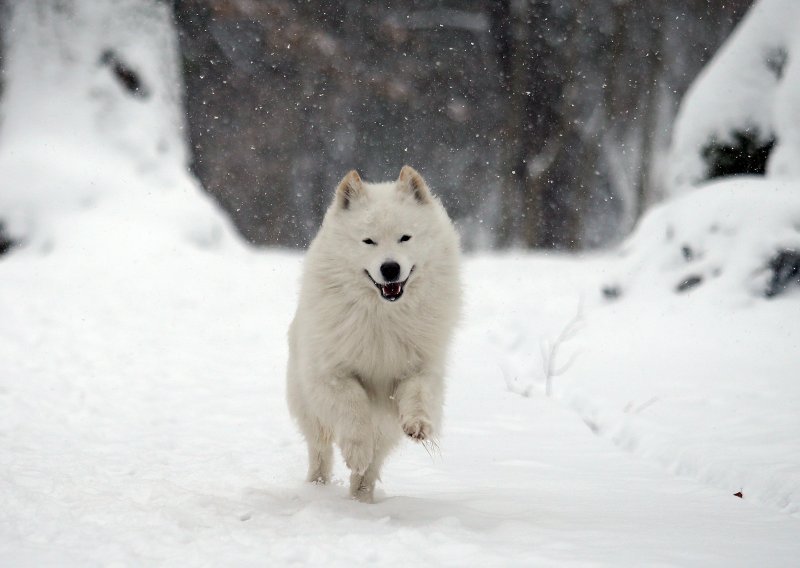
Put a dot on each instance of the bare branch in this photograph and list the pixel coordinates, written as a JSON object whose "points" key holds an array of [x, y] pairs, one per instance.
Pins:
{"points": [[550, 351]]}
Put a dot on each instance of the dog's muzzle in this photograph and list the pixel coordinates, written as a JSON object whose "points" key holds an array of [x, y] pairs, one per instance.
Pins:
{"points": [[391, 291]]}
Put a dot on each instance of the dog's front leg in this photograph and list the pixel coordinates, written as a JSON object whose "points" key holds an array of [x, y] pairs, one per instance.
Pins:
{"points": [[419, 405], [343, 404]]}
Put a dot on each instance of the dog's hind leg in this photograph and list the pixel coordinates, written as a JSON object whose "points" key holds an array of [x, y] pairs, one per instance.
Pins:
{"points": [[318, 439], [320, 455], [342, 405], [362, 487]]}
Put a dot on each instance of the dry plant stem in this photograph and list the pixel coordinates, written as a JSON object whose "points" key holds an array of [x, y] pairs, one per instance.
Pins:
{"points": [[550, 351]]}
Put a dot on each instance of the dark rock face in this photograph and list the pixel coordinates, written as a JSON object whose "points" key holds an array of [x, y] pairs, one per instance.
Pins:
{"points": [[128, 77], [6, 242], [688, 283], [746, 153], [785, 267]]}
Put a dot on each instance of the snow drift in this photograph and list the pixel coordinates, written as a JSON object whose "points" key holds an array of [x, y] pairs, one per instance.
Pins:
{"points": [[732, 238], [92, 118]]}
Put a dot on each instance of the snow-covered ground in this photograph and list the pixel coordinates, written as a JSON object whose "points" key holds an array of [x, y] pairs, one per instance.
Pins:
{"points": [[142, 421]]}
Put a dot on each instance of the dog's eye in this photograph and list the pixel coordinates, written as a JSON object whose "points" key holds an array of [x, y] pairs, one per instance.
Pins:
{"points": [[369, 242], [405, 238]]}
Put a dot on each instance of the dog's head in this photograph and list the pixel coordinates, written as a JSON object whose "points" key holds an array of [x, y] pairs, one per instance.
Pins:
{"points": [[386, 233]]}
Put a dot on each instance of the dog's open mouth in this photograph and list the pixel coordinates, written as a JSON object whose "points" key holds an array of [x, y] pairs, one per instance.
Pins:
{"points": [[391, 291]]}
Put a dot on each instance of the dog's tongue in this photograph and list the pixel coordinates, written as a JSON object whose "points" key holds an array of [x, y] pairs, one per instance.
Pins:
{"points": [[392, 289]]}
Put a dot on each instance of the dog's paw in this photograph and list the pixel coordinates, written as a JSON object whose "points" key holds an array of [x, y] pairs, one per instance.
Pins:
{"points": [[418, 429], [317, 479], [361, 489], [357, 454]]}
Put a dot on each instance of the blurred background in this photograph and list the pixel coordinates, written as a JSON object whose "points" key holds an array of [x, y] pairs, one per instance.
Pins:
{"points": [[539, 123]]}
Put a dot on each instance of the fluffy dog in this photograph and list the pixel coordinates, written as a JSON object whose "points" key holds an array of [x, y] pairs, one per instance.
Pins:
{"points": [[379, 300]]}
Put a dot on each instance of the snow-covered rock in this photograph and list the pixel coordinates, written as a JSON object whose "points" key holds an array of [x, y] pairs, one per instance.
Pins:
{"points": [[741, 113], [92, 118], [732, 226], [724, 239]]}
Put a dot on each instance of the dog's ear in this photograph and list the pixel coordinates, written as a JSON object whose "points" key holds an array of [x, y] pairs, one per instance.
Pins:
{"points": [[411, 182], [350, 188]]}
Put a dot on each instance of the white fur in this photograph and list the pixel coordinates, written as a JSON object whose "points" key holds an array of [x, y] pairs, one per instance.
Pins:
{"points": [[363, 370]]}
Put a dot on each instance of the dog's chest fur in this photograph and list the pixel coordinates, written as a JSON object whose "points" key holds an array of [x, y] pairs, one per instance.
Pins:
{"points": [[380, 351]]}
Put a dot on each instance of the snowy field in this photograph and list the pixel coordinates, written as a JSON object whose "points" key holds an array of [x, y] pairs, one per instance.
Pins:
{"points": [[142, 421]]}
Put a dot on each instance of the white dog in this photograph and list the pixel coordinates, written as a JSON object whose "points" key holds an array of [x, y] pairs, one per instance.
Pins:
{"points": [[380, 297]]}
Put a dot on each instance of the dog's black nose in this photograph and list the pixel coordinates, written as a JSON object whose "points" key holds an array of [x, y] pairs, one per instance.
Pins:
{"points": [[390, 271]]}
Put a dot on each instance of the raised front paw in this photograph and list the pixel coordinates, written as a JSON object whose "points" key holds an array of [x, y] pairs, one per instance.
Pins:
{"points": [[357, 454], [419, 429]]}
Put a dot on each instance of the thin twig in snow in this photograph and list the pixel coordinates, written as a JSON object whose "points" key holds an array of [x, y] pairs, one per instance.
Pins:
{"points": [[550, 351]]}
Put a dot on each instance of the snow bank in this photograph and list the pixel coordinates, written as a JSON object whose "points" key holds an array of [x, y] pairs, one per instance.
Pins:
{"points": [[705, 387], [92, 119], [689, 356], [720, 241], [748, 95], [702, 383]]}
